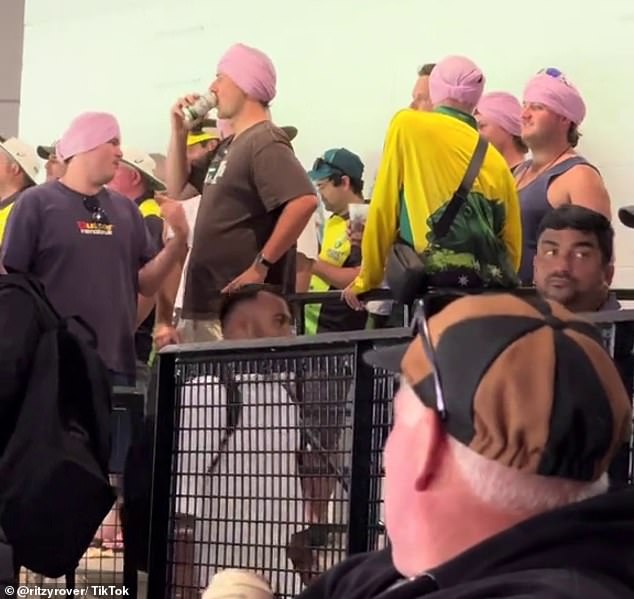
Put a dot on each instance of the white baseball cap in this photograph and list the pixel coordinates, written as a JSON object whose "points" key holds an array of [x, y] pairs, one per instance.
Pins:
{"points": [[24, 155], [145, 164]]}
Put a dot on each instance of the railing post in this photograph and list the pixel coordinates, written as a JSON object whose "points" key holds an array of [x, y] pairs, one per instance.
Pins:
{"points": [[358, 519], [159, 577]]}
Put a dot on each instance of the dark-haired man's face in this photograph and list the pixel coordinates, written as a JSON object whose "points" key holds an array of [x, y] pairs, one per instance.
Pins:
{"points": [[266, 315], [570, 269]]}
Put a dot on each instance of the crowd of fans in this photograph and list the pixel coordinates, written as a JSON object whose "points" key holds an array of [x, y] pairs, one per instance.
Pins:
{"points": [[152, 249]]}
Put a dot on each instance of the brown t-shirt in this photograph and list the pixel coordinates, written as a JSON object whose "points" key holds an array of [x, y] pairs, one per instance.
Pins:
{"points": [[245, 187]]}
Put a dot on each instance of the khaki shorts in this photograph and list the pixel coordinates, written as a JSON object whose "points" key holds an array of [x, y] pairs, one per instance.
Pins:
{"points": [[199, 331]]}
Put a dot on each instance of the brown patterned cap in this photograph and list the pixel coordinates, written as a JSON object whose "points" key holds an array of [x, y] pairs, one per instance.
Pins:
{"points": [[525, 382]]}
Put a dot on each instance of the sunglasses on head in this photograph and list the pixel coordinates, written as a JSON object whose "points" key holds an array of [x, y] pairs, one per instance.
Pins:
{"points": [[420, 327], [97, 213], [554, 73], [320, 162]]}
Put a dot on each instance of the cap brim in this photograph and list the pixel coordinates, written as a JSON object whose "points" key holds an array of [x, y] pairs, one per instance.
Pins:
{"points": [[320, 174], [197, 138], [291, 132], [388, 358], [44, 152], [626, 216], [154, 183]]}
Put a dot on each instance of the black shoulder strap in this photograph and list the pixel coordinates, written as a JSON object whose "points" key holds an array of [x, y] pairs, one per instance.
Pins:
{"points": [[234, 409], [441, 228]]}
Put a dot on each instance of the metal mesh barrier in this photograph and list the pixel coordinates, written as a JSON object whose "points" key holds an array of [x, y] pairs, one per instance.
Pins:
{"points": [[269, 448], [269, 456]]}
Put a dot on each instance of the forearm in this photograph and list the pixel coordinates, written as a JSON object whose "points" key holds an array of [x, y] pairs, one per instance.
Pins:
{"points": [[152, 275], [176, 166], [290, 224], [144, 308], [167, 295], [336, 276], [304, 272]]}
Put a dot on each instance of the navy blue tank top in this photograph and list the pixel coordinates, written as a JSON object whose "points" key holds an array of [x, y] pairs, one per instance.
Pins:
{"points": [[534, 206]]}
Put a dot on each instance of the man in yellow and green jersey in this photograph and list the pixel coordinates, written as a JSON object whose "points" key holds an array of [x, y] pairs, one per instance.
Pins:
{"points": [[426, 156], [338, 176]]}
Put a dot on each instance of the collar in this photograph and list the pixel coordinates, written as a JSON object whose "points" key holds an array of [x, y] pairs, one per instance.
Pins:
{"points": [[611, 303], [10, 199], [469, 119]]}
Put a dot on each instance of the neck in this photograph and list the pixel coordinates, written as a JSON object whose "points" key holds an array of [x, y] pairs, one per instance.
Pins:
{"points": [[353, 199], [513, 156], [471, 524], [9, 188], [590, 302], [80, 184], [541, 156], [251, 114], [134, 193]]}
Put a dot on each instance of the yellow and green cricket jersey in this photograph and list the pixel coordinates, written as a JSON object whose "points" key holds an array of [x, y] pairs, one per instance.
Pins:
{"points": [[425, 157], [337, 250]]}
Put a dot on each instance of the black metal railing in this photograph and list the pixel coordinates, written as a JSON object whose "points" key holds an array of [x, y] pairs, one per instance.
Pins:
{"points": [[326, 478], [291, 490]]}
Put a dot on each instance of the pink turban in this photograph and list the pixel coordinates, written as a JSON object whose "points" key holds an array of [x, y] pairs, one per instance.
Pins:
{"points": [[251, 70], [502, 109], [556, 94], [456, 78], [88, 131]]}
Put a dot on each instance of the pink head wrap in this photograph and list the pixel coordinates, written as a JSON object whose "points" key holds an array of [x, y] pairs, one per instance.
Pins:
{"points": [[456, 78], [556, 94], [502, 109], [251, 70], [87, 131]]}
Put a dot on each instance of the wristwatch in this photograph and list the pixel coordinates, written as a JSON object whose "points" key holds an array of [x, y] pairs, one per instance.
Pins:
{"points": [[260, 259]]}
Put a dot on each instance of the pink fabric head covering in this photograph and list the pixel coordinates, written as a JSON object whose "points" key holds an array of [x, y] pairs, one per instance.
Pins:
{"points": [[88, 131], [557, 94], [502, 109], [251, 70], [456, 78]]}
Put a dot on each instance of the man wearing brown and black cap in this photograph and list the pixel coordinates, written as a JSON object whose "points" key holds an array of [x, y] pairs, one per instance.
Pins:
{"points": [[495, 473], [55, 168]]}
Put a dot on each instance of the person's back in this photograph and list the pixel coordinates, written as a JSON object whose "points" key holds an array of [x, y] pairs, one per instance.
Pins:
{"points": [[425, 158]]}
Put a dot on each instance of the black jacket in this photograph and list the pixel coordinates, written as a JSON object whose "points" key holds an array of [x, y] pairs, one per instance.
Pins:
{"points": [[584, 550], [20, 329]]}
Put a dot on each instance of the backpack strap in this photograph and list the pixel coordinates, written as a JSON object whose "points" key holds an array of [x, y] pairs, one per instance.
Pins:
{"points": [[441, 228], [234, 410]]}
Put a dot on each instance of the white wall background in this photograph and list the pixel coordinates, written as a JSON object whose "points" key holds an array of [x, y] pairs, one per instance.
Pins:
{"points": [[344, 66]]}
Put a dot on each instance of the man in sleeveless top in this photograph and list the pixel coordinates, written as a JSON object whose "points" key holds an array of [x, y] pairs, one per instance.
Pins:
{"points": [[556, 174], [499, 121]]}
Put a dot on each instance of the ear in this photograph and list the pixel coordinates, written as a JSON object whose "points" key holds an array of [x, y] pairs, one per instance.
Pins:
{"points": [[432, 445], [609, 274]]}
